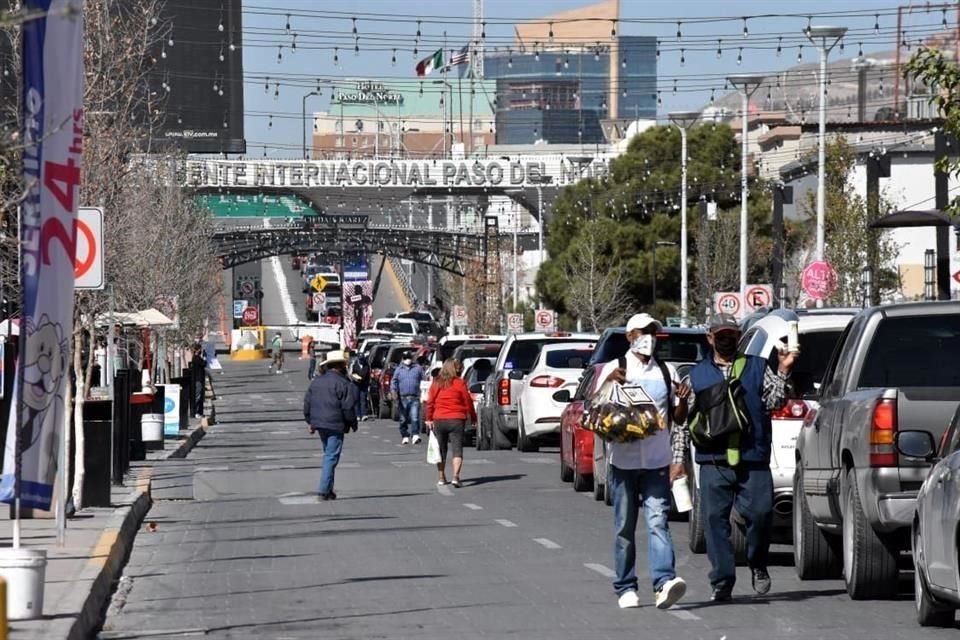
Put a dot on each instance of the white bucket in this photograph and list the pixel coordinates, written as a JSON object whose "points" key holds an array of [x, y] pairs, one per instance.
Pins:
{"points": [[151, 427], [24, 571]]}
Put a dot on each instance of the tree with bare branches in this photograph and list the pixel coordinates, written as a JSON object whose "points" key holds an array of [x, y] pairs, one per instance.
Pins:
{"points": [[596, 293]]}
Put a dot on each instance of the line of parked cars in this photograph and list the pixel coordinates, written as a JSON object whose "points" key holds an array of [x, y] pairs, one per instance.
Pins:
{"points": [[865, 455]]}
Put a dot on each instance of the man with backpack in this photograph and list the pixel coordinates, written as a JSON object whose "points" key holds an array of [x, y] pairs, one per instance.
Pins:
{"points": [[639, 469], [730, 426]]}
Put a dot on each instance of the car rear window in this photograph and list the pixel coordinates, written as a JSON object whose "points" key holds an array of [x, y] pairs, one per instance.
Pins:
{"points": [[816, 347], [671, 347], [523, 353], [914, 352], [378, 356], [476, 350], [450, 346], [568, 358]]}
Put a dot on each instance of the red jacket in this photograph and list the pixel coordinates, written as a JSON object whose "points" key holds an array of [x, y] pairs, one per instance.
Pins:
{"points": [[450, 403]]}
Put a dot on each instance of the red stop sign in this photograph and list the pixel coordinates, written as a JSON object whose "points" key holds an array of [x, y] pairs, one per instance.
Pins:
{"points": [[250, 316]]}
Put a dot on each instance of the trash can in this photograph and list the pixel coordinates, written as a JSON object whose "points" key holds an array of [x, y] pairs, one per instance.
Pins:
{"points": [[139, 404], [151, 429], [97, 453], [185, 414], [121, 425]]}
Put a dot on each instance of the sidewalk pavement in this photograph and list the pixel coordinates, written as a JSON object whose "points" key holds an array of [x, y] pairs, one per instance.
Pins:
{"points": [[80, 575]]}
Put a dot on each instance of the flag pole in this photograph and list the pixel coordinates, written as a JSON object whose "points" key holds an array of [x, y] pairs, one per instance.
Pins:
{"points": [[460, 104], [18, 388]]}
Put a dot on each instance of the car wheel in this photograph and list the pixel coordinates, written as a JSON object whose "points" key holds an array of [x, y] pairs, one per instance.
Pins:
{"points": [[566, 471], [499, 439], [814, 552], [523, 442], [599, 488], [607, 493], [869, 560], [581, 481], [698, 540], [929, 612], [384, 409], [483, 438]]}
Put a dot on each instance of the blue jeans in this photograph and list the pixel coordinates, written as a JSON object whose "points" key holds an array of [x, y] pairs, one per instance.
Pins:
{"points": [[311, 367], [631, 489], [409, 416], [332, 446], [751, 489], [361, 401]]}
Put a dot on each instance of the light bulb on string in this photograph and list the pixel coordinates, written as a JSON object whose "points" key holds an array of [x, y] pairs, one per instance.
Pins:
{"points": [[509, 59], [415, 50], [279, 54], [800, 53], [860, 49], [683, 59], [658, 49], [623, 62], [779, 45], [418, 29], [712, 97], [613, 28], [170, 41], [550, 35], [393, 59], [232, 47], [659, 99], [220, 25], [163, 52], [421, 88], [746, 32], [841, 45], [354, 26], [336, 57], [266, 85], [276, 91], [293, 44], [876, 23], [679, 34], [719, 49], [270, 122], [596, 53], [356, 47], [221, 53], [566, 61], [288, 22], [536, 52], [483, 30], [740, 56], [944, 22], [674, 85]]}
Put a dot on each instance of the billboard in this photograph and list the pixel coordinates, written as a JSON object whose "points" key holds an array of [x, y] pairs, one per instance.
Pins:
{"points": [[200, 71]]}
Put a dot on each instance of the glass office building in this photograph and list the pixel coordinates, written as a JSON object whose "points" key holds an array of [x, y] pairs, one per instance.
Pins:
{"points": [[562, 94]]}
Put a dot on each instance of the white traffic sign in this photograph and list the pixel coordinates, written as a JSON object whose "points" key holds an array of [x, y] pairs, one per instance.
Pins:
{"points": [[758, 295], [238, 307], [88, 260], [727, 302], [544, 320], [319, 299], [459, 316], [515, 322]]}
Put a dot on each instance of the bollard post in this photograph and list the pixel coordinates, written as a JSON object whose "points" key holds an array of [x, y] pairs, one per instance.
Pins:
{"points": [[3, 609]]}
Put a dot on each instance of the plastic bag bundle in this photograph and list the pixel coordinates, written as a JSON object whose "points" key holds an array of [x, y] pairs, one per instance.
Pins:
{"points": [[614, 416]]}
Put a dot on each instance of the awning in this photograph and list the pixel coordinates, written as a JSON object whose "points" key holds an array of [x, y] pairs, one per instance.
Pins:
{"points": [[925, 218], [147, 318]]}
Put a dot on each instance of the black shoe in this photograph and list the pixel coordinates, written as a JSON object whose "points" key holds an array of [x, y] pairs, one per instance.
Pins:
{"points": [[327, 496], [761, 581], [721, 594]]}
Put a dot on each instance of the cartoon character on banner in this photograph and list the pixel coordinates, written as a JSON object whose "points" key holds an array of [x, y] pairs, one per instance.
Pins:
{"points": [[43, 376]]}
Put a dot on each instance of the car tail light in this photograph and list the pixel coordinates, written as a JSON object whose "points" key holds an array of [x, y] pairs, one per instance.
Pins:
{"points": [[792, 410], [503, 392], [883, 429], [385, 379], [546, 381], [559, 334]]}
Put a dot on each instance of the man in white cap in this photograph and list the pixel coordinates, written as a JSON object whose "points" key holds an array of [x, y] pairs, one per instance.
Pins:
{"points": [[329, 407], [639, 469]]}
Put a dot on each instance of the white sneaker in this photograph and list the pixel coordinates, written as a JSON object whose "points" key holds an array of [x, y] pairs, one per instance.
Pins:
{"points": [[670, 593], [629, 600], [405, 441], [416, 439]]}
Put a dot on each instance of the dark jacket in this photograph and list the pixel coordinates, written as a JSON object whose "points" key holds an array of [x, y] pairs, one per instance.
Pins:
{"points": [[330, 402], [755, 443]]}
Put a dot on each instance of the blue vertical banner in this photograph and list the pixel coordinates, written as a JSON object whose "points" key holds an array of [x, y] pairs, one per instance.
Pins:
{"points": [[53, 80]]}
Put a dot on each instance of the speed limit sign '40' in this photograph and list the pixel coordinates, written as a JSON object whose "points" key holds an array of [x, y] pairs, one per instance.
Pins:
{"points": [[88, 244], [728, 302]]}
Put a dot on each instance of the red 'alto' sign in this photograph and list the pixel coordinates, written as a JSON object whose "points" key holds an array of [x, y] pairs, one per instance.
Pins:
{"points": [[819, 280]]}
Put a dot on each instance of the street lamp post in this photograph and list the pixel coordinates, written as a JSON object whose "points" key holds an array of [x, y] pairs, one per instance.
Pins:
{"points": [[446, 120], [824, 38], [683, 120], [653, 266], [747, 83], [303, 121]]}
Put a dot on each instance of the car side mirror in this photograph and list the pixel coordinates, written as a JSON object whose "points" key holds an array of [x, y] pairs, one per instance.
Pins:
{"points": [[562, 396], [916, 444], [515, 374], [476, 387]]}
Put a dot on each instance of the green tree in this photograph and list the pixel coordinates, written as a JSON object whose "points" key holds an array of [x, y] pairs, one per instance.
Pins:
{"points": [[941, 75], [851, 243]]}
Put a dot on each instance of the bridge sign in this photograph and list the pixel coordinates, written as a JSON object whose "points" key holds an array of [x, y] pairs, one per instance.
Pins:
{"points": [[250, 316]]}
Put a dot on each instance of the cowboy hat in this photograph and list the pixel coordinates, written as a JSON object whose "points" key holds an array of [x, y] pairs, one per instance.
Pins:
{"points": [[334, 357]]}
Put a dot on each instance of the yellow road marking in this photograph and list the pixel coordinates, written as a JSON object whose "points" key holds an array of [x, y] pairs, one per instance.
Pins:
{"points": [[396, 284], [101, 550]]}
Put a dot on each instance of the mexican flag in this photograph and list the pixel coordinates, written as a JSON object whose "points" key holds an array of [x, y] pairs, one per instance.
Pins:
{"points": [[431, 62]]}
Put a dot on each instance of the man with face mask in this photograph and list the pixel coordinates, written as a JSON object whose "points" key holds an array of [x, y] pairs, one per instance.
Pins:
{"points": [[746, 480], [639, 470], [406, 392]]}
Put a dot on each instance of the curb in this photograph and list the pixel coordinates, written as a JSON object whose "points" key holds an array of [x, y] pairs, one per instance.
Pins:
{"points": [[91, 617]]}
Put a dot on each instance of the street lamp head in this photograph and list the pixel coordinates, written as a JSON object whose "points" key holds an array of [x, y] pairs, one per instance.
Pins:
{"points": [[820, 32], [746, 81], [684, 119]]}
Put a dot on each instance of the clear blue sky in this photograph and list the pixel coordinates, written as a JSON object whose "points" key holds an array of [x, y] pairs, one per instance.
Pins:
{"points": [[283, 136]]}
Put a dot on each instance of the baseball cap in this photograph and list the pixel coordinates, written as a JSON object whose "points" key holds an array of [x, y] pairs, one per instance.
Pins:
{"points": [[642, 321], [723, 321]]}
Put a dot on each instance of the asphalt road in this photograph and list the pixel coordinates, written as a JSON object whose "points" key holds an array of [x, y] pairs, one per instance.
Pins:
{"points": [[241, 548]]}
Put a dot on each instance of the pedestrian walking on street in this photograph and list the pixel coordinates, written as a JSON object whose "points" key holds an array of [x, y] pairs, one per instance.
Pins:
{"points": [[329, 407], [405, 388], [640, 470], [198, 373], [449, 406], [360, 375], [276, 353], [734, 468]]}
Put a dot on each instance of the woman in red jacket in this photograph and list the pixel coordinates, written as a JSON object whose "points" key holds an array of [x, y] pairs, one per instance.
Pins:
{"points": [[449, 406]]}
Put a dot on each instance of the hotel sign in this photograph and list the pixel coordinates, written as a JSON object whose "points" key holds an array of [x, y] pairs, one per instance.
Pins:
{"points": [[382, 173], [369, 93]]}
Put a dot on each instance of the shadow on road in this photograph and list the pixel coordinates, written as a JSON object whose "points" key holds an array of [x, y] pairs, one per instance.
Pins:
{"points": [[488, 479]]}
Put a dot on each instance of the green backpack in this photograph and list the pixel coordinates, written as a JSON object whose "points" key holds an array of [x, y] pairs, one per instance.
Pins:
{"points": [[720, 414]]}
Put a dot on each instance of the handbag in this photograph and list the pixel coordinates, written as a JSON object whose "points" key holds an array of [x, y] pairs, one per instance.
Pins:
{"points": [[433, 450]]}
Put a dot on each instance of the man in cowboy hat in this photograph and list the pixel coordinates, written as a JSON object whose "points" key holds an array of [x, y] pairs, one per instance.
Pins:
{"points": [[329, 407]]}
